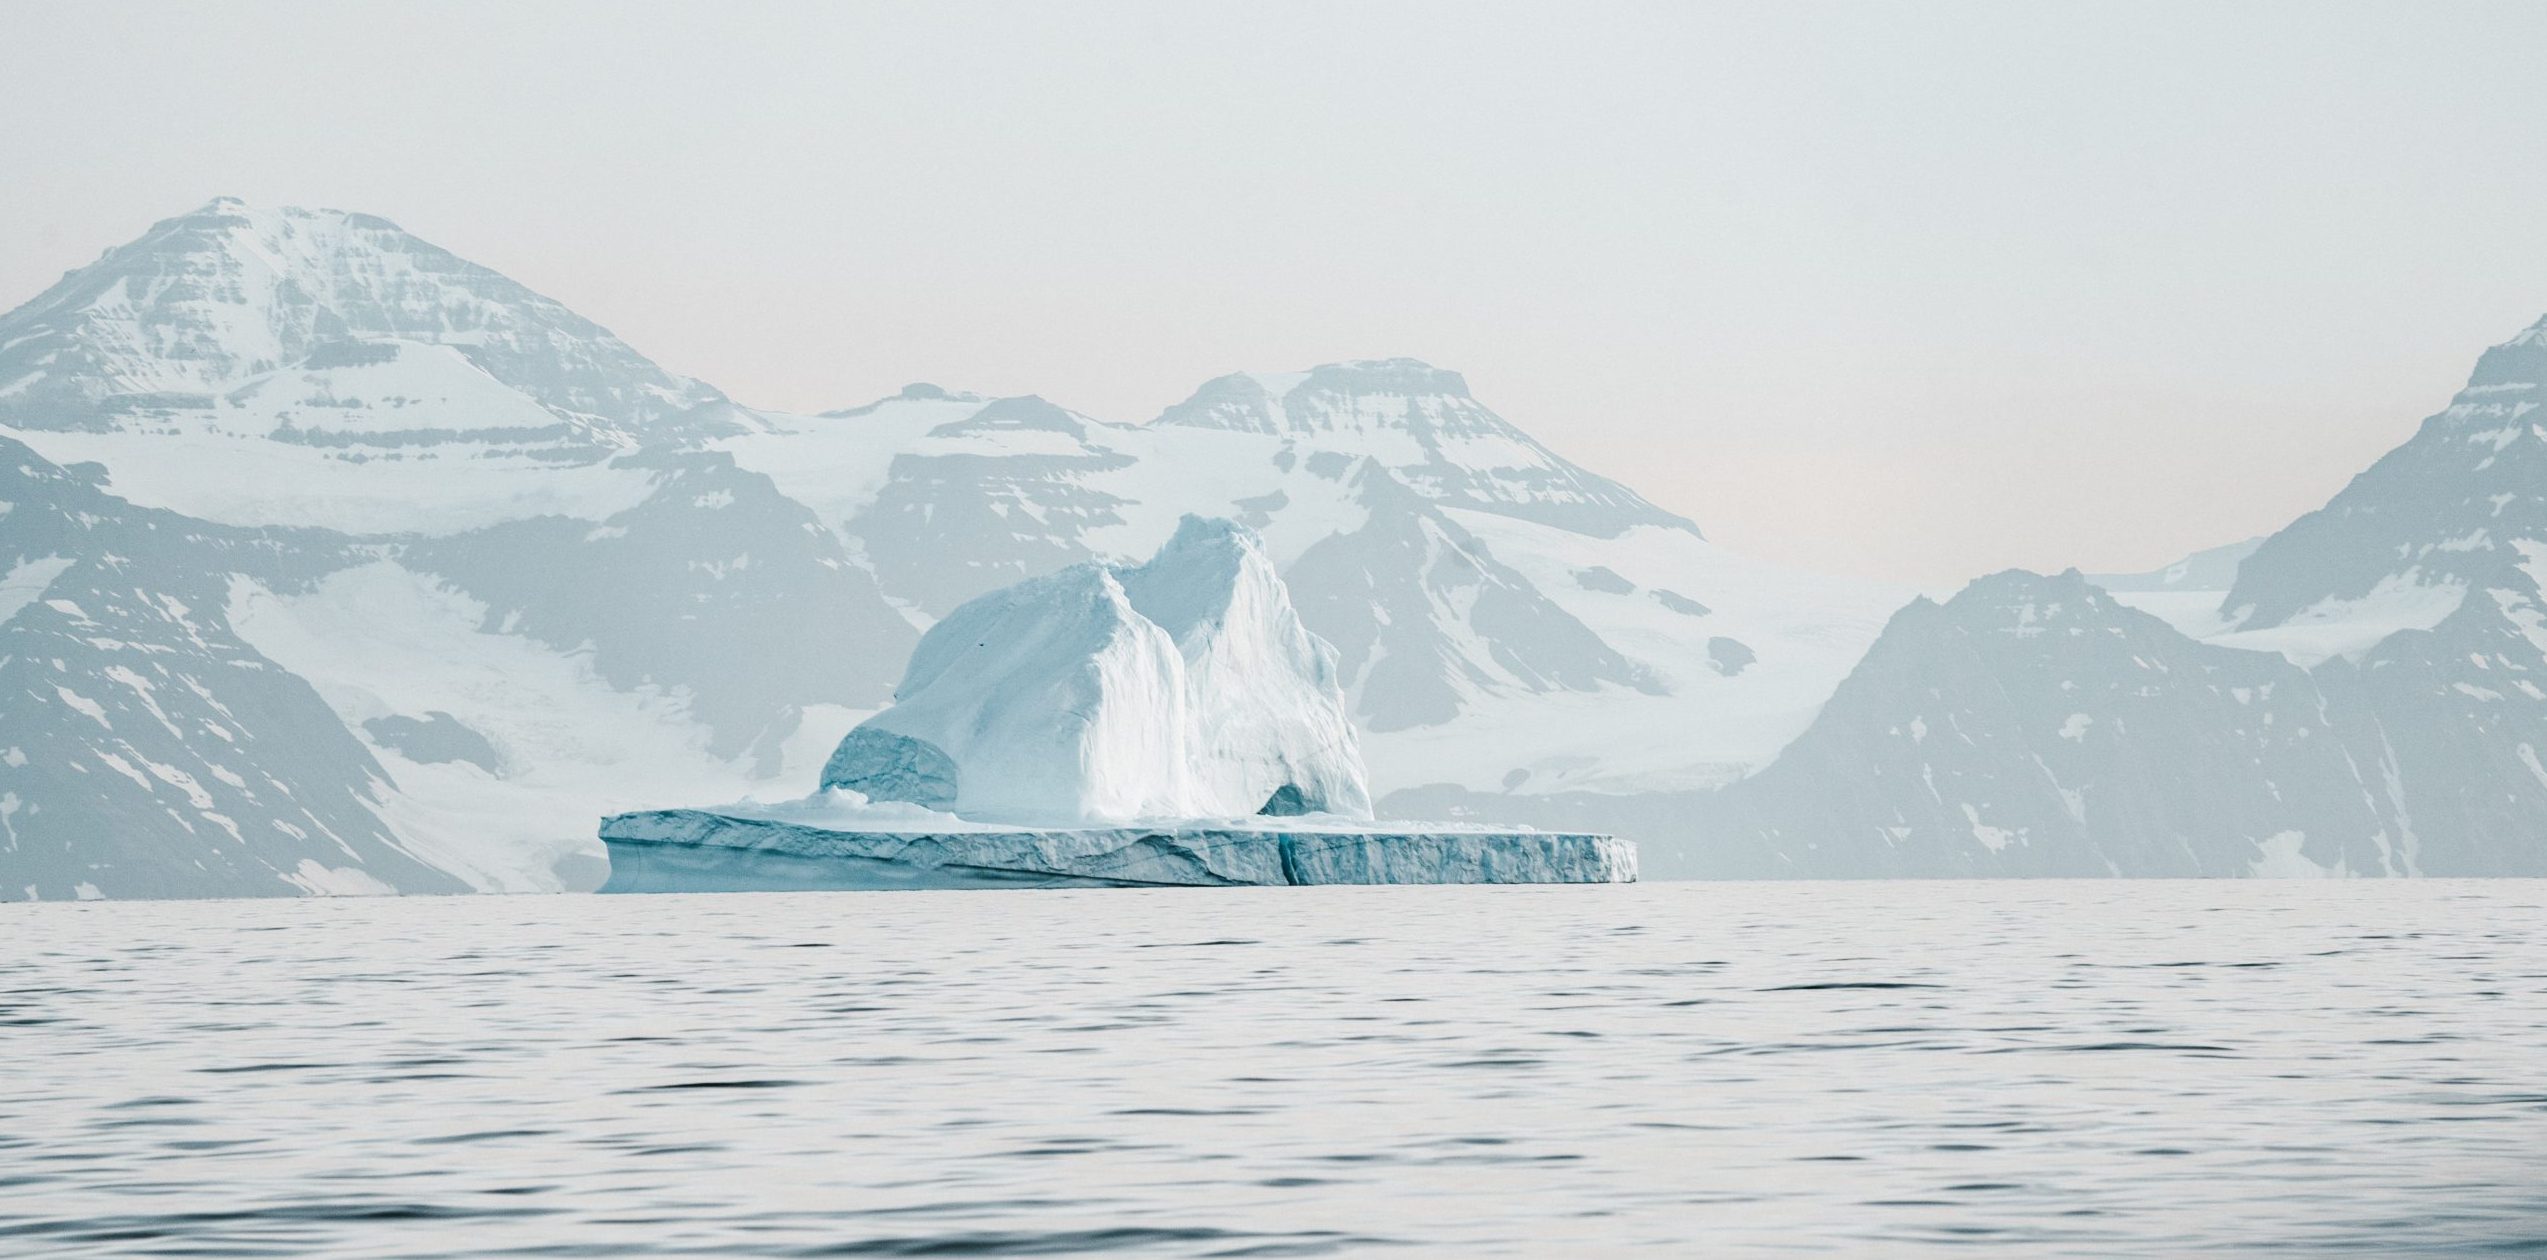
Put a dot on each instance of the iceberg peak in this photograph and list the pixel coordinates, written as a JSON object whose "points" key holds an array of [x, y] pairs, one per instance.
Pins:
{"points": [[1184, 687]]}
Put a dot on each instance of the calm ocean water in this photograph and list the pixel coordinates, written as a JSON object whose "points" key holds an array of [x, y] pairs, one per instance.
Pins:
{"points": [[2039, 1068]]}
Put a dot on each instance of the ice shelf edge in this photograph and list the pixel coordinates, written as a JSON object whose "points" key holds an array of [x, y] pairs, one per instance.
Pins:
{"points": [[691, 850]]}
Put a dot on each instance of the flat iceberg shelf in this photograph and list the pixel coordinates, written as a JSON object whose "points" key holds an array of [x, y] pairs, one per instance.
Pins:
{"points": [[694, 850]]}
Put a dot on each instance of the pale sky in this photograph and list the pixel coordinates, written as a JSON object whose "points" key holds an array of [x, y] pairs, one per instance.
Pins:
{"points": [[1908, 291]]}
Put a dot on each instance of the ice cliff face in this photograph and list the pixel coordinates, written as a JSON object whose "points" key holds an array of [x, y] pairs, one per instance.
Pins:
{"points": [[683, 850], [1185, 687], [1266, 731]]}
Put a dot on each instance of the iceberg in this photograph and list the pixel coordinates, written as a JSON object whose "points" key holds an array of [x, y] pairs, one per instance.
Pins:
{"points": [[1184, 687], [737, 850], [1170, 722]]}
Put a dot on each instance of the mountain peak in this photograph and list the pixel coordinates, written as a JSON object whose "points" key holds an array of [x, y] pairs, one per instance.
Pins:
{"points": [[1421, 422], [915, 392], [2452, 507], [211, 300], [1398, 376], [2027, 584], [269, 224], [1023, 412]]}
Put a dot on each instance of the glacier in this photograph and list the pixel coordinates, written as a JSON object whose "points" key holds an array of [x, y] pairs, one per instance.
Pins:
{"points": [[1170, 722]]}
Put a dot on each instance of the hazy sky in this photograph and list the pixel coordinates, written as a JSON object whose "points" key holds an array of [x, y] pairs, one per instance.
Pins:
{"points": [[1913, 291]]}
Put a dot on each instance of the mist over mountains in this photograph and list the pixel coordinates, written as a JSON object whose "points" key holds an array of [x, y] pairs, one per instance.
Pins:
{"points": [[335, 563]]}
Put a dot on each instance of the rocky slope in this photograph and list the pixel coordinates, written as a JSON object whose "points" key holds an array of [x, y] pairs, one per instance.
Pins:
{"points": [[149, 750]]}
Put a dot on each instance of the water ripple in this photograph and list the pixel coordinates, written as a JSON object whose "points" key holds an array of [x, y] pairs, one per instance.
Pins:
{"points": [[2113, 1069]]}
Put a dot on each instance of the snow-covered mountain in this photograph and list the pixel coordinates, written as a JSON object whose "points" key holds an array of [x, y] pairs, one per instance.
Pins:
{"points": [[295, 367], [1500, 613], [2361, 693], [215, 303], [2034, 726], [333, 562], [1421, 424], [507, 575], [2447, 512], [1492, 631], [491, 550]]}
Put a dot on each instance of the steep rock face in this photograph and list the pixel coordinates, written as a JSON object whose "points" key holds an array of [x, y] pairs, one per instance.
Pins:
{"points": [[145, 751], [208, 302], [2450, 724], [1423, 617], [1422, 424], [1183, 687], [715, 586]]}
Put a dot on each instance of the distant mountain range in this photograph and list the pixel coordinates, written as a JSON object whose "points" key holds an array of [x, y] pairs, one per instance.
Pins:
{"points": [[333, 562], [2357, 694]]}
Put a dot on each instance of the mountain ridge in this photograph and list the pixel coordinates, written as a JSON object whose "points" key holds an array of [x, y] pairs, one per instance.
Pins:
{"points": [[206, 300], [2359, 694], [492, 574], [547, 579]]}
